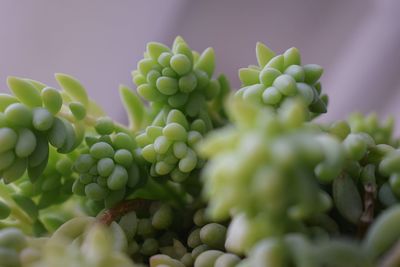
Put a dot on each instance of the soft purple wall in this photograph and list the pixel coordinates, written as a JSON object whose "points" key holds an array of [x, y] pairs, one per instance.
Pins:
{"points": [[98, 41], [357, 41]]}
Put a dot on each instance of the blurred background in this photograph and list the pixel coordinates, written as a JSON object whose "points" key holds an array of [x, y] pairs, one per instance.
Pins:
{"points": [[100, 41]]}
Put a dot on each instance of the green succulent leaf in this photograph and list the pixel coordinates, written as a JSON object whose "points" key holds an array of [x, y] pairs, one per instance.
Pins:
{"points": [[25, 91], [264, 54], [206, 62], [134, 107], [73, 88]]}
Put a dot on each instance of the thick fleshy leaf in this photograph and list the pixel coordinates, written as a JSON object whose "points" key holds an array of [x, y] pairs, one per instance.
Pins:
{"points": [[133, 106], [41, 152], [286, 85], [155, 49], [78, 110], [276, 63], [178, 40], [176, 116], [138, 78], [325, 100], [196, 56], [268, 76], [347, 198], [249, 76], [73, 87], [25, 91], [206, 62], [225, 86], [312, 73], [383, 233], [15, 171], [71, 137], [264, 54], [183, 48], [38, 85], [146, 65], [6, 100], [318, 106], [291, 57], [35, 172], [253, 93], [26, 143], [271, 96], [52, 99]]}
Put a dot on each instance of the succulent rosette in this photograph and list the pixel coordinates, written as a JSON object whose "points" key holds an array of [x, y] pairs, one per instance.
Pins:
{"points": [[278, 77]]}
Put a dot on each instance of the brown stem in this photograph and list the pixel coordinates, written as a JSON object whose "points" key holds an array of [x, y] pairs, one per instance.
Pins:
{"points": [[392, 258], [121, 209], [368, 214]]}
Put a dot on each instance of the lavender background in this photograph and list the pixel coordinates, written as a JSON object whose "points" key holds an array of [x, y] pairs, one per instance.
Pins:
{"points": [[100, 41]]}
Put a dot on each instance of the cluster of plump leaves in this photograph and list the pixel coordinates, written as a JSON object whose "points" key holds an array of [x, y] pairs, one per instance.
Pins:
{"points": [[278, 77], [289, 185], [382, 133], [108, 168], [266, 165], [79, 242], [178, 78], [185, 103], [171, 148], [279, 187], [274, 172], [41, 129], [30, 122]]}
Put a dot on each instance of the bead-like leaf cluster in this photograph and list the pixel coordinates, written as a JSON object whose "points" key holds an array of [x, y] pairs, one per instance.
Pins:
{"points": [[33, 118], [185, 104], [266, 165], [278, 188], [274, 172], [178, 78], [79, 242], [278, 77], [170, 148], [381, 132], [108, 169]]}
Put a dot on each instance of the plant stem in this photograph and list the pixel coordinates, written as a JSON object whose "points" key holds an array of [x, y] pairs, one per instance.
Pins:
{"points": [[16, 212], [121, 209], [368, 214]]}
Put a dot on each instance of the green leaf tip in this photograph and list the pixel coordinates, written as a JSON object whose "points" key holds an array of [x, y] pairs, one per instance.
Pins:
{"points": [[276, 62], [52, 99], [155, 49], [73, 88], [78, 110], [25, 91], [133, 106], [38, 85], [249, 76], [312, 73], [178, 40], [206, 61], [6, 100], [292, 57], [264, 54]]}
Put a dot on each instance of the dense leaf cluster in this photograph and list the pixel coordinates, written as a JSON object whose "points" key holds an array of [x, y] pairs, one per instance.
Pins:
{"points": [[201, 176]]}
